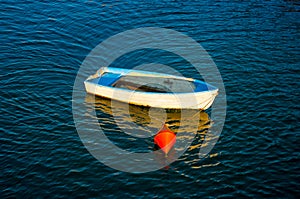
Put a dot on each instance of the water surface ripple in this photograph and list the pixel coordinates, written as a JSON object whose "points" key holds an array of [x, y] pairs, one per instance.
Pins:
{"points": [[255, 45]]}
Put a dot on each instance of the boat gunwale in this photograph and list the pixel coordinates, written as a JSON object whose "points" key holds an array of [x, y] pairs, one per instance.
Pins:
{"points": [[153, 93], [126, 72]]}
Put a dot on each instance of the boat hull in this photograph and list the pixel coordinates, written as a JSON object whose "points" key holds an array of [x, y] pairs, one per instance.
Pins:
{"points": [[190, 100]]}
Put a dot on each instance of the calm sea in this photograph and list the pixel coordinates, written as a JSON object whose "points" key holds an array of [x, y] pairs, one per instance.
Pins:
{"points": [[255, 45]]}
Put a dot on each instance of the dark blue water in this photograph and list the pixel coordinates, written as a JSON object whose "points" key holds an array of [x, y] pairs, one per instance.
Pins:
{"points": [[255, 45]]}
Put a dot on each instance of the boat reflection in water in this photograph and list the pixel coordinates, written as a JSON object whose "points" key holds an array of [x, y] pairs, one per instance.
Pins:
{"points": [[133, 128]]}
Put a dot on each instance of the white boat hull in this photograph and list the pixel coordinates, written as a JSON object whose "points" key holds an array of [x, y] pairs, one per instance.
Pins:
{"points": [[189, 100]]}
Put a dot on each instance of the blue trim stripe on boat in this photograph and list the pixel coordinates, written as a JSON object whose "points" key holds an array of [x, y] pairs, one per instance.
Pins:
{"points": [[202, 86], [106, 79]]}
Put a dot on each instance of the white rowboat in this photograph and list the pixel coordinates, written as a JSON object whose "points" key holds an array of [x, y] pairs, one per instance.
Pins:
{"points": [[151, 89]]}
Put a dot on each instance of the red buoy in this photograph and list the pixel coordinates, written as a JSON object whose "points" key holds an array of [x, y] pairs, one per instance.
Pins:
{"points": [[165, 139]]}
